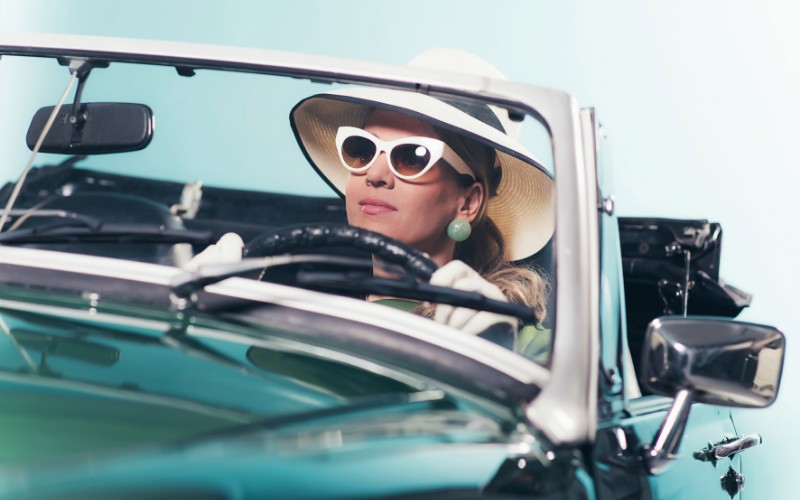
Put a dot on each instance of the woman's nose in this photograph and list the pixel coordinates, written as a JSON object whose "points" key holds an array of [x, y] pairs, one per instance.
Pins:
{"points": [[379, 174]]}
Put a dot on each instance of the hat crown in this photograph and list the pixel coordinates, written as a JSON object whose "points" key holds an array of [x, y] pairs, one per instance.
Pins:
{"points": [[522, 208], [459, 61]]}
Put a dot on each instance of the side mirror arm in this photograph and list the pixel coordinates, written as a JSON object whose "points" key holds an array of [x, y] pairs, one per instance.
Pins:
{"points": [[665, 444]]}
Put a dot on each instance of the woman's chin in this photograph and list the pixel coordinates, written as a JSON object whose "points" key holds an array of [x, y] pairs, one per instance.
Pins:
{"points": [[377, 226]]}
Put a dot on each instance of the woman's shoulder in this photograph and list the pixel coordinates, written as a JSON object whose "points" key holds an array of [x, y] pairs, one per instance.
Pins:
{"points": [[402, 304], [534, 342]]}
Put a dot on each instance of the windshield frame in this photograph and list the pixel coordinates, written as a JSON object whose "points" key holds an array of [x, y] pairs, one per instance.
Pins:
{"points": [[572, 381]]}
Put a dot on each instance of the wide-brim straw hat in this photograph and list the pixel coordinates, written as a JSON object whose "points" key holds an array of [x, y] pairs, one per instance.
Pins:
{"points": [[523, 207]]}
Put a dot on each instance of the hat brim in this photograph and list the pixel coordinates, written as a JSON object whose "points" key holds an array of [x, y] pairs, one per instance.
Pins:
{"points": [[523, 208]]}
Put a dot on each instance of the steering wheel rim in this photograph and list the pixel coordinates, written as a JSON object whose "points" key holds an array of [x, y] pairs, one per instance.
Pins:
{"points": [[306, 236]]}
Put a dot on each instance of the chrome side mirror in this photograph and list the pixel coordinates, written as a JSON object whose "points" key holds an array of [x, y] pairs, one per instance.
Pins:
{"points": [[719, 361], [710, 360]]}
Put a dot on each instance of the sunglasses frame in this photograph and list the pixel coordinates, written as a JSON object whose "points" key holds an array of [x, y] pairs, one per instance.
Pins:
{"points": [[438, 149]]}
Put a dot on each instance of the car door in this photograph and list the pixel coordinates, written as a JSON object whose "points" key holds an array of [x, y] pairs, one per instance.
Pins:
{"points": [[629, 422], [687, 475]]}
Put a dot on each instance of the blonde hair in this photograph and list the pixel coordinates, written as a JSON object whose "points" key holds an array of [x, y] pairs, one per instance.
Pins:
{"points": [[485, 249]]}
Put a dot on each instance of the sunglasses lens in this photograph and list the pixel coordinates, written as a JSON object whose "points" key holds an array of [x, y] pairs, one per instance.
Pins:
{"points": [[357, 152], [410, 159]]}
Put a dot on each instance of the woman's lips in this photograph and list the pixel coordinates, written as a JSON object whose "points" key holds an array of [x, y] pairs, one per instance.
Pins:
{"points": [[374, 206]]}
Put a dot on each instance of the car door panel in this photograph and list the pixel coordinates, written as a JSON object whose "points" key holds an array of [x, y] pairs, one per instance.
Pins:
{"points": [[622, 442]]}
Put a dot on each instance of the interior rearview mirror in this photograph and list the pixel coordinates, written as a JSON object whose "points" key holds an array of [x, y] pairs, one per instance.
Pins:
{"points": [[718, 360], [98, 128]]}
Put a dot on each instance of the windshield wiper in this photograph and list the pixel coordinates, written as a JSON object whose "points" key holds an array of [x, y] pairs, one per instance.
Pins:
{"points": [[361, 282], [81, 228], [185, 285], [411, 289]]}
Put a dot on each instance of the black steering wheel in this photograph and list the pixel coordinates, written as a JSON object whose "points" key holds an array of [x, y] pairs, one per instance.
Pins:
{"points": [[306, 236]]}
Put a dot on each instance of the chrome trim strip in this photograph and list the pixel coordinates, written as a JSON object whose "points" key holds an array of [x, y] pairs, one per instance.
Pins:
{"points": [[89, 314], [294, 64], [88, 264], [226, 57], [566, 408]]}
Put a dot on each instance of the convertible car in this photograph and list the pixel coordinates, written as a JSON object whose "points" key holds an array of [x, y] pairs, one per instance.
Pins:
{"points": [[126, 374]]}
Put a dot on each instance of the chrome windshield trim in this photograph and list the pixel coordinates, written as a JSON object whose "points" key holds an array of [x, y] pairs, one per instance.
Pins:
{"points": [[211, 57], [245, 59], [87, 264], [89, 315], [566, 408], [202, 56]]}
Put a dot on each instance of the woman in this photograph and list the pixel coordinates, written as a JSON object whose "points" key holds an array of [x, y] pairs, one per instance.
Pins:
{"points": [[447, 178]]}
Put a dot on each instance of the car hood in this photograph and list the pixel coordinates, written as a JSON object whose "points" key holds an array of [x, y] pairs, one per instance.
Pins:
{"points": [[100, 396], [386, 451]]}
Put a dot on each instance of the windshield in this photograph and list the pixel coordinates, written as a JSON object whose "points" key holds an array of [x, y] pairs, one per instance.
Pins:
{"points": [[216, 127], [229, 153], [226, 129]]}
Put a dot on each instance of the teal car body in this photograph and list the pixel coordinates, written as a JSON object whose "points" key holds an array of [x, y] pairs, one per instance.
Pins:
{"points": [[122, 375]]}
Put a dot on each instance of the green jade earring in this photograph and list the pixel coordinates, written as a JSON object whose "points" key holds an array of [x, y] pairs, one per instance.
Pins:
{"points": [[459, 230]]}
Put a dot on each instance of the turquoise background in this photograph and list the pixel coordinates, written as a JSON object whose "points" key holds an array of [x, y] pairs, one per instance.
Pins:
{"points": [[700, 101]]}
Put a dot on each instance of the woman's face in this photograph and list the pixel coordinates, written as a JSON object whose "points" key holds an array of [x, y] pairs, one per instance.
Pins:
{"points": [[415, 212]]}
